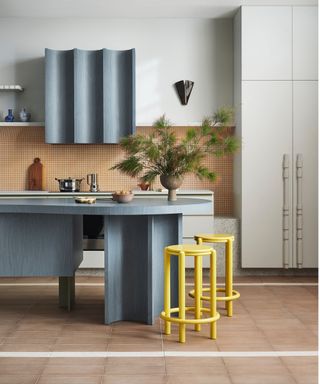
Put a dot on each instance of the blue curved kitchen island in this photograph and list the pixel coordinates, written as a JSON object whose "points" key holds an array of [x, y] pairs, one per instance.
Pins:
{"points": [[43, 237]]}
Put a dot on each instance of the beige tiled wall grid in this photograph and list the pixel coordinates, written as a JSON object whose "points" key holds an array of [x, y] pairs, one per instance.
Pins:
{"points": [[20, 145]]}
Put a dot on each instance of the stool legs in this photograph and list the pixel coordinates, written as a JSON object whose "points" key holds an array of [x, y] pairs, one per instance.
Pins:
{"points": [[229, 273], [213, 294], [167, 293], [182, 297], [199, 242], [197, 289], [169, 315]]}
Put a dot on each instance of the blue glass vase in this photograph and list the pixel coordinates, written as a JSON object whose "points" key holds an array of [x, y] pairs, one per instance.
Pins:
{"points": [[9, 118]]}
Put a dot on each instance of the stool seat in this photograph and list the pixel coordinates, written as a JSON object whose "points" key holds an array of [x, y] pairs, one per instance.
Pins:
{"points": [[189, 249], [214, 238]]}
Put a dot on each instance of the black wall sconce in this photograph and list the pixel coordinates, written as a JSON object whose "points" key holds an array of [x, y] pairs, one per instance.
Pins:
{"points": [[184, 89]]}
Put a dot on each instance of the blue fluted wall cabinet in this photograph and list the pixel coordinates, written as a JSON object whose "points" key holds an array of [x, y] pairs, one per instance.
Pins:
{"points": [[90, 96]]}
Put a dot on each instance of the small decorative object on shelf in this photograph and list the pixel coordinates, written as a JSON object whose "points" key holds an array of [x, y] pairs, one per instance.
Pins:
{"points": [[143, 185], [9, 118], [184, 89], [24, 115]]}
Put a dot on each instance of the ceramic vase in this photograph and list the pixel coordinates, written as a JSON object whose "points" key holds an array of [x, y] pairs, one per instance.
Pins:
{"points": [[24, 115], [9, 118], [171, 183]]}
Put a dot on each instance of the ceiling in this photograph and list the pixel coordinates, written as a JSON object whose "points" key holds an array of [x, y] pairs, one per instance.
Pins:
{"points": [[132, 8]]}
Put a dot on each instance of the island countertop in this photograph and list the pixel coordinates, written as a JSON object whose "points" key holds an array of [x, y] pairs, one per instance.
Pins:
{"points": [[141, 206], [192, 193]]}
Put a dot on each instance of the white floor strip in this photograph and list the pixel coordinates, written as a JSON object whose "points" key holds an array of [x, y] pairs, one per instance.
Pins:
{"points": [[28, 284], [187, 284], [191, 354], [263, 284], [243, 354]]}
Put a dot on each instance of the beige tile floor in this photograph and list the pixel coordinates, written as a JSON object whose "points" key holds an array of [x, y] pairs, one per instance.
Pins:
{"points": [[266, 318]]}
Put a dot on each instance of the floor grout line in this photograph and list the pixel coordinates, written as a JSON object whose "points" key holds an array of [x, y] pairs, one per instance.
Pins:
{"points": [[227, 370], [162, 345], [288, 370], [160, 354], [262, 330]]}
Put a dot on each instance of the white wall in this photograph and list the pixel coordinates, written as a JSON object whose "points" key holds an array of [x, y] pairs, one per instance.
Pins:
{"points": [[167, 50]]}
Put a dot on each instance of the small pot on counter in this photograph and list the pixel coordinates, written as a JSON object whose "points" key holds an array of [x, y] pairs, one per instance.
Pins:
{"points": [[69, 185]]}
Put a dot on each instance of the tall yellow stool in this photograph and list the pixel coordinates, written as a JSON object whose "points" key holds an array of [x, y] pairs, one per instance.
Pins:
{"points": [[197, 251], [230, 293]]}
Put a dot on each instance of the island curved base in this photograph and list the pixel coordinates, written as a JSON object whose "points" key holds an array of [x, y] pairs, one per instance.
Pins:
{"points": [[134, 265]]}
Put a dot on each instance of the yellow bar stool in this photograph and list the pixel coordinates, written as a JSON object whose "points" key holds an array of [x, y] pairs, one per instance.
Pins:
{"points": [[196, 251], [230, 293]]}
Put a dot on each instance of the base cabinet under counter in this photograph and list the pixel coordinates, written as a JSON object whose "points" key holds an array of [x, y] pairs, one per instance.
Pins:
{"points": [[94, 258], [191, 224]]}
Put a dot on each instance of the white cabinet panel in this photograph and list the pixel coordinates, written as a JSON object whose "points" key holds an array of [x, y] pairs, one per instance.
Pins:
{"points": [[266, 43], [191, 226], [267, 136], [305, 134], [197, 224], [305, 43], [92, 259]]}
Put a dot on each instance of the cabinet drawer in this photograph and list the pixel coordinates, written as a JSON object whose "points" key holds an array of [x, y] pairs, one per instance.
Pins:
{"points": [[196, 224]]}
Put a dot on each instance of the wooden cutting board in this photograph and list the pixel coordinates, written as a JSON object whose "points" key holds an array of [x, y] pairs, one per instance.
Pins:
{"points": [[36, 180]]}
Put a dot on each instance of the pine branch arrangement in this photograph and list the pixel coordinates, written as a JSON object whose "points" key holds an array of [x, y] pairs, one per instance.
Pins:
{"points": [[162, 153]]}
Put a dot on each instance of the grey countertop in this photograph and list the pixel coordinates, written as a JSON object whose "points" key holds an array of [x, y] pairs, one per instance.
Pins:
{"points": [[138, 192], [141, 206]]}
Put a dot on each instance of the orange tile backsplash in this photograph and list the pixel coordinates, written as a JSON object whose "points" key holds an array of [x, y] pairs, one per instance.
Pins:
{"points": [[20, 145]]}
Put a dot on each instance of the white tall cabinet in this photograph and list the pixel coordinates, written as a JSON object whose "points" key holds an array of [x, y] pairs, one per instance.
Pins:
{"points": [[276, 118], [305, 149]]}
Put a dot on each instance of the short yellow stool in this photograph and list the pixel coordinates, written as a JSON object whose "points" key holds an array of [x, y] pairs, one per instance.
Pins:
{"points": [[230, 293], [197, 251]]}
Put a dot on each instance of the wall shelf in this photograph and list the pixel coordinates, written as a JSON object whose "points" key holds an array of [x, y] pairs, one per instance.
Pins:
{"points": [[22, 124], [14, 88]]}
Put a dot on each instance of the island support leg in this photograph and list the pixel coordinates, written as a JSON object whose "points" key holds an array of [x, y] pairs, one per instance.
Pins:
{"points": [[66, 292], [134, 265]]}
